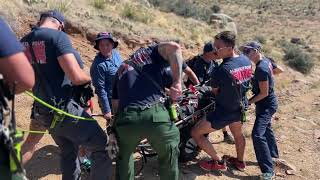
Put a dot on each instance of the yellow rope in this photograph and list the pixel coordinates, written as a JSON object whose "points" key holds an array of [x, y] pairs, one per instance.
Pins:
{"points": [[59, 111]]}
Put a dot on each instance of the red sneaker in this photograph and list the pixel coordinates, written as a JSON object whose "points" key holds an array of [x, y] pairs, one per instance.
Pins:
{"points": [[241, 166], [212, 165]]}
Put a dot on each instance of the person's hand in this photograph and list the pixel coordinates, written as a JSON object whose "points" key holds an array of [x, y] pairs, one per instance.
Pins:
{"points": [[112, 146], [175, 91], [107, 116]]}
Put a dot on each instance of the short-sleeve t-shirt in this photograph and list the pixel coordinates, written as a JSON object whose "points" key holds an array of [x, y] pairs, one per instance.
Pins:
{"points": [[9, 45], [235, 70], [78, 58], [132, 88], [264, 72], [167, 73], [52, 85], [201, 68]]}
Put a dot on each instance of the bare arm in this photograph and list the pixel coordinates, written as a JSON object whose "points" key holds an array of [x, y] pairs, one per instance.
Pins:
{"points": [[278, 70], [72, 69], [264, 92], [171, 52], [16, 68], [193, 77]]}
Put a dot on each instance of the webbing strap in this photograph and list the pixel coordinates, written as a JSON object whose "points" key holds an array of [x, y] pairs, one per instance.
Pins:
{"points": [[59, 111]]}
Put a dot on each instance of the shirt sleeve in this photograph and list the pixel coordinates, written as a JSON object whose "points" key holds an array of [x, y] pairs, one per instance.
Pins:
{"points": [[63, 45], [261, 74], [78, 58], [9, 45], [215, 78], [98, 81]]}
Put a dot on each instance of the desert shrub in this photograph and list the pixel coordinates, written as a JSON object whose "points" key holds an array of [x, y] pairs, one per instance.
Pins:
{"points": [[184, 8], [135, 13], [99, 4], [216, 9], [261, 39], [62, 6], [297, 58]]}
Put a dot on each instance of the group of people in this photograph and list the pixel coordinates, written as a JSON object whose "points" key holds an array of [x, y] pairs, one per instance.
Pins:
{"points": [[135, 98]]}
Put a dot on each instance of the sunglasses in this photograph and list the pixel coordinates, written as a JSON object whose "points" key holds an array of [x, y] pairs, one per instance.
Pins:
{"points": [[246, 51], [216, 50]]}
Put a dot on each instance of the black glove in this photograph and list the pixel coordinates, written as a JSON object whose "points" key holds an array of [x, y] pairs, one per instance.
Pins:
{"points": [[82, 94], [112, 145]]}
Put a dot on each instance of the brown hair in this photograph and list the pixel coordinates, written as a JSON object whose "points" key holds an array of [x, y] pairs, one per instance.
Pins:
{"points": [[228, 37]]}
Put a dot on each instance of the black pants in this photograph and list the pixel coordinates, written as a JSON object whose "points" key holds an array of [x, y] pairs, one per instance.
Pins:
{"points": [[4, 162]]}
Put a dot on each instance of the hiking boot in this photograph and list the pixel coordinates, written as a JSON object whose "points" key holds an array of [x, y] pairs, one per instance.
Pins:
{"points": [[239, 165], [213, 165], [267, 176], [228, 138]]}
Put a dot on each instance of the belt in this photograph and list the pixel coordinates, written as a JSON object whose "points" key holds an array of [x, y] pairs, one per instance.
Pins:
{"points": [[142, 108]]}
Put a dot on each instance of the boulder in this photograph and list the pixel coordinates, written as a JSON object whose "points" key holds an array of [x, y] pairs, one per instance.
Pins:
{"points": [[220, 17]]}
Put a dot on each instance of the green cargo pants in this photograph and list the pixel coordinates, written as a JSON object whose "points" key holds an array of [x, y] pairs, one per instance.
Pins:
{"points": [[133, 125]]}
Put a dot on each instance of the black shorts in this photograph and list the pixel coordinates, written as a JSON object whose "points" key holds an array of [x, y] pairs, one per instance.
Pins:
{"points": [[221, 117]]}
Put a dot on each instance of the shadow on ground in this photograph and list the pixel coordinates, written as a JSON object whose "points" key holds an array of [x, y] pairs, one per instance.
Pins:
{"points": [[45, 161]]}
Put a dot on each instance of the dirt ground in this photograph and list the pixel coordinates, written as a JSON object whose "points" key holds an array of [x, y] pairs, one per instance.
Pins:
{"points": [[297, 126]]}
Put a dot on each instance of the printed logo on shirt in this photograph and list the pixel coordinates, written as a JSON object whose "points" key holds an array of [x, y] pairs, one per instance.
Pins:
{"points": [[39, 50], [242, 74], [140, 58]]}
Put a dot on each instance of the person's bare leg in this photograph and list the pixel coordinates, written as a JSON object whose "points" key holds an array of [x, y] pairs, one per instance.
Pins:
{"points": [[240, 142], [30, 146], [198, 131]]}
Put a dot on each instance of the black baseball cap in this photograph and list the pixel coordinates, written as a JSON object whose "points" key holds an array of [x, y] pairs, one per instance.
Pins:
{"points": [[253, 45], [54, 14]]}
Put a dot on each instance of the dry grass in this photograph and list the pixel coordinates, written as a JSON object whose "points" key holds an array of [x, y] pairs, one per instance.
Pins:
{"points": [[99, 4], [60, 5], [137, 13]]}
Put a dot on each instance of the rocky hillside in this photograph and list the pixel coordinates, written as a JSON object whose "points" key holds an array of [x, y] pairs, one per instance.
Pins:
{"points": [[276, 24]]}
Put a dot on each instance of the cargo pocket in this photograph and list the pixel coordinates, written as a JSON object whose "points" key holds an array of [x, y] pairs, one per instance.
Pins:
{"points": [[161, 115], [125, 118], [174, 155]]}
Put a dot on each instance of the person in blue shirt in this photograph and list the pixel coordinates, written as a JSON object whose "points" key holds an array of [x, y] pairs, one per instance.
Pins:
{"points": [[103, 70], [264, 97], [57, 71], [230, 82], [14, 69], [203, 66]]}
